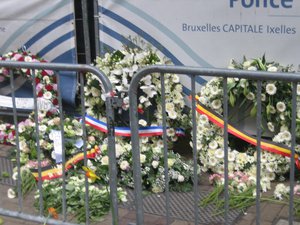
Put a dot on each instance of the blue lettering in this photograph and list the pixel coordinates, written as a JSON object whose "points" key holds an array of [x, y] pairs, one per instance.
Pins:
{"points": [[287, 3], [231, 3], [244, 4], [275, 4]]}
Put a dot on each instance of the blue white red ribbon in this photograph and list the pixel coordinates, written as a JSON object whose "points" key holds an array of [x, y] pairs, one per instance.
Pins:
{"points": [[126, 132]]}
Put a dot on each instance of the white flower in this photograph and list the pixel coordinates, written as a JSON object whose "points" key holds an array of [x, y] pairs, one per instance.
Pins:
{"points": [[250, 96], [169, 107], [104, 160], [272, 69], [124, 165], [280, 191], [143, 122], [252, 68], [11, 193], [213, 144], [203, 100], [271, 126], [271, 89], [219, 153], [42, 128], [246, 64], [298, 89], [216, 104], [286, 135], [180, 178], [142, 158], [21, 128], [280, 106], [175, 78], [119, 150], [155, 164], [231, 156], [15, 176], [172, 115], [47, 95]]}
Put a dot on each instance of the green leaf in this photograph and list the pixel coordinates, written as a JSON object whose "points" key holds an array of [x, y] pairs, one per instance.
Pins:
{"points": [[261, 65], [231, 99], [253, 111], [5, 174]]}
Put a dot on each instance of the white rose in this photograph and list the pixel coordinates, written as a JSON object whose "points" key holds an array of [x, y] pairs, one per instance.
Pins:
{"points": [[104, 160], [180, 178], [142, 158], [124, 165], [155, 164], [11, 193], [143, 122]]}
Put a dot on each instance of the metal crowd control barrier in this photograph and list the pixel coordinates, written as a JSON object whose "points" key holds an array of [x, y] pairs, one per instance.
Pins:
{"points": [[193, 73], [81, 69]]}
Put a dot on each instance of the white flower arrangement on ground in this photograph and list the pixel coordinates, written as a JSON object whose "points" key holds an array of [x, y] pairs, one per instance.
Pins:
{"points": [[276, 111], [120, 66], [99, 197], [152, 165]]}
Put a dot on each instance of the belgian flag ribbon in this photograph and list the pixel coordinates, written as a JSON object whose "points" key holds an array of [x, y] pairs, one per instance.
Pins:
{"points": [[264, 144], [53, 172]]}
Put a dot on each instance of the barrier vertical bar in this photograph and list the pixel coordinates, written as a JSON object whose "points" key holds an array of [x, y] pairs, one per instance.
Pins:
{"points": [[19, 181], [63, 169], [166, 171], [136, 154], [258, 150], [194, 123], [36, 120], [293, 144], [225, 105], [112, 157], [84, 136]]}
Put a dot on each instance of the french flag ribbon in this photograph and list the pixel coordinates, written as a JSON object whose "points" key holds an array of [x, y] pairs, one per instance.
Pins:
{"points": [[125, 131]]}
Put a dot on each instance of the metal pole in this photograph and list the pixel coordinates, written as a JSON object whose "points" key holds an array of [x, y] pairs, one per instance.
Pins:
{"points": [[85, 23]]}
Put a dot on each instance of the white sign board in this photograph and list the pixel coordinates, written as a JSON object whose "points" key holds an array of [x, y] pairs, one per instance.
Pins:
{"points": [[45, 28], [204, 32]]}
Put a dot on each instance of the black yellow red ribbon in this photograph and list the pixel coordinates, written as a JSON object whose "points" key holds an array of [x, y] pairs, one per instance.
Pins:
{"points": [[53, 172], [264, 144]]}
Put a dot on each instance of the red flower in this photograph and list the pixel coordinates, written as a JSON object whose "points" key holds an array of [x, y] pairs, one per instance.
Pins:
{"points": [[140, 110], [40, 94], [37, 80], [49, 113], [55, 101], [49, 87], [44, 73]]}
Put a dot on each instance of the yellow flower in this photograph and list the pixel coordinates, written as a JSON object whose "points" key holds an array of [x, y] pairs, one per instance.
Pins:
{"points": [[90, 174]]}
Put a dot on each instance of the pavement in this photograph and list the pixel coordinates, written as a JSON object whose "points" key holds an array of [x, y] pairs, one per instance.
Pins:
{"points": [[271, 214]]}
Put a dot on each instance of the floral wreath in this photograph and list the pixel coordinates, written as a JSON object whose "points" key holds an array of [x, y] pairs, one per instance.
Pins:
{"points": [[46, 88], [276, 114]]}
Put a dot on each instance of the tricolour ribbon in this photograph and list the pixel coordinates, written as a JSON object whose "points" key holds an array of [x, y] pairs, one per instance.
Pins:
{"points": [[50, 172], [126, 132], [264, 144]]}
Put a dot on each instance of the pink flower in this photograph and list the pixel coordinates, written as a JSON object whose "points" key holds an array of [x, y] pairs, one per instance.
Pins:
{"points": [[297, 189]]}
